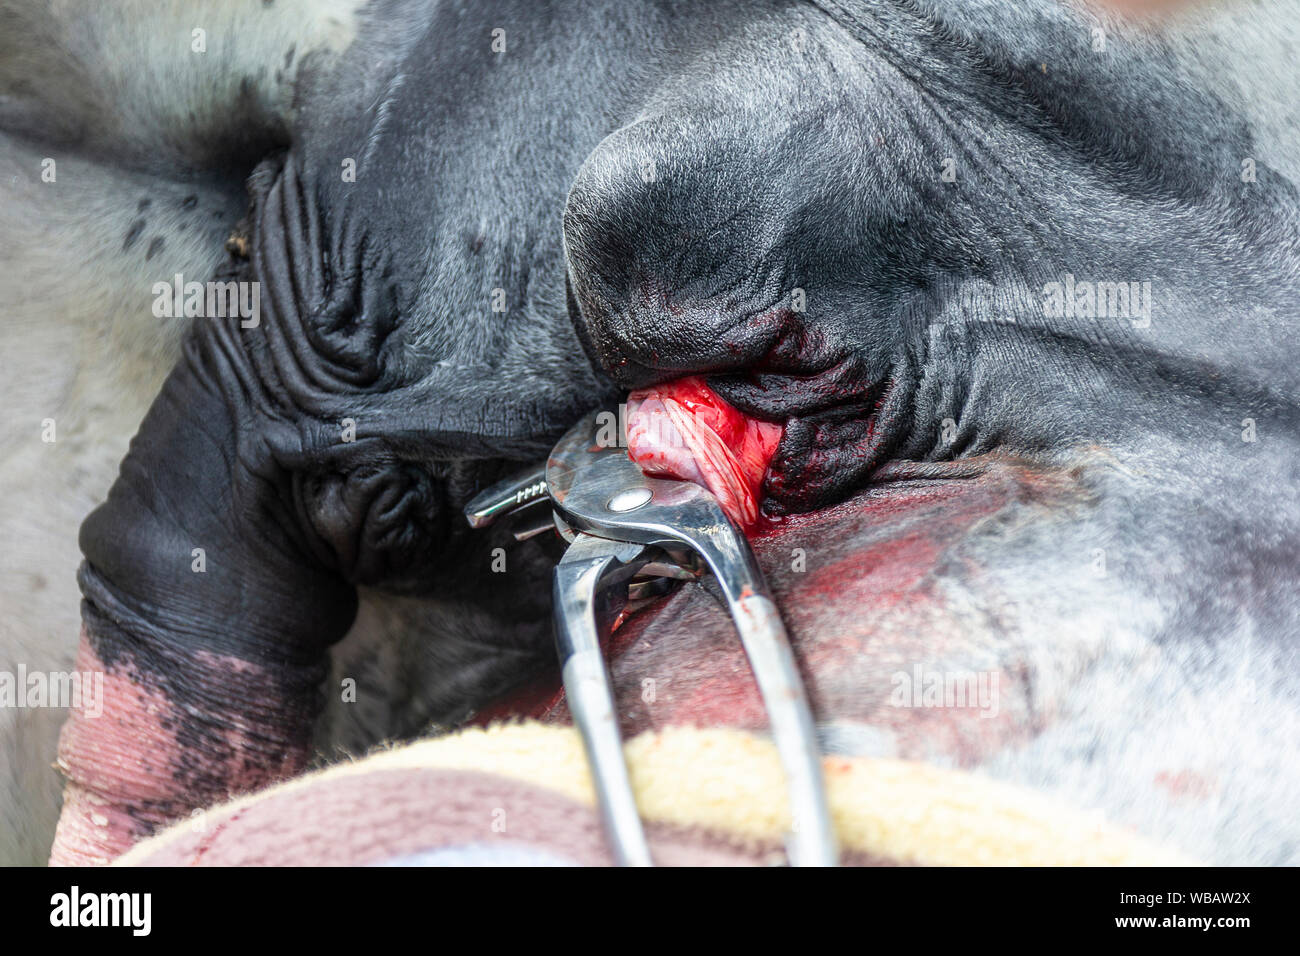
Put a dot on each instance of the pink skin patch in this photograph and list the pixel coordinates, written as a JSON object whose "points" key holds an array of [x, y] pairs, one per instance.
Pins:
{"points": [[149, 758], [683, 430], [115, 753]]}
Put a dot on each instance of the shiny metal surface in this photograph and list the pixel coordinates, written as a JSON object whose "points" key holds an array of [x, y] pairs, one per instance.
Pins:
{"points": [[590, 590], [510, 494], [583, 478]]}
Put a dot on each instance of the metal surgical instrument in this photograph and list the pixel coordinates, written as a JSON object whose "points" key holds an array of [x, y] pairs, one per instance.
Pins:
{"points": [[627, 532]]}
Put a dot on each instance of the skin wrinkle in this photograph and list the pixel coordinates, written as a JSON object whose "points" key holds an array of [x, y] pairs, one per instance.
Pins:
{"points": [[628, 343], [853, 212], [310, 301], [274, 365], [1114, 174], [190, 704], [382, 109], [310, 384]]}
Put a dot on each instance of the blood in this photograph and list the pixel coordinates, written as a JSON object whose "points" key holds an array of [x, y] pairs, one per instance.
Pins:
{"points": [[684, 430]]}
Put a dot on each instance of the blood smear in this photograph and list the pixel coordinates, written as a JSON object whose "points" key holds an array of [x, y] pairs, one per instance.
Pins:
{"points": [[683, 430]]}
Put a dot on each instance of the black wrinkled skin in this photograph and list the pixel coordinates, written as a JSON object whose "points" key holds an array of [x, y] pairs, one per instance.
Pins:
{"points": [[777, 166]]}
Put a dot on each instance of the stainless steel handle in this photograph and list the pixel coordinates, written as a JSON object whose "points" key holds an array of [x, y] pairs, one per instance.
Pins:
{"points": [[812, 841], [590, 588]]}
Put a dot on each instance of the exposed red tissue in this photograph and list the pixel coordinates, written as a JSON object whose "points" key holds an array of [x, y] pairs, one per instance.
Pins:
{"points": [[683, 430]]}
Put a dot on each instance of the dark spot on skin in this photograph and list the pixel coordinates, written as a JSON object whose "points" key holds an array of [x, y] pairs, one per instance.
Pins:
{"points": [[133, 234], [237, 245], [144, 204], [189, 202], [476, 242], [154, 247]]}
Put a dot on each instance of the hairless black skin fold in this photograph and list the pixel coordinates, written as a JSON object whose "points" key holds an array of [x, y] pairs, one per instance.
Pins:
{"points": [[847, 215]]}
